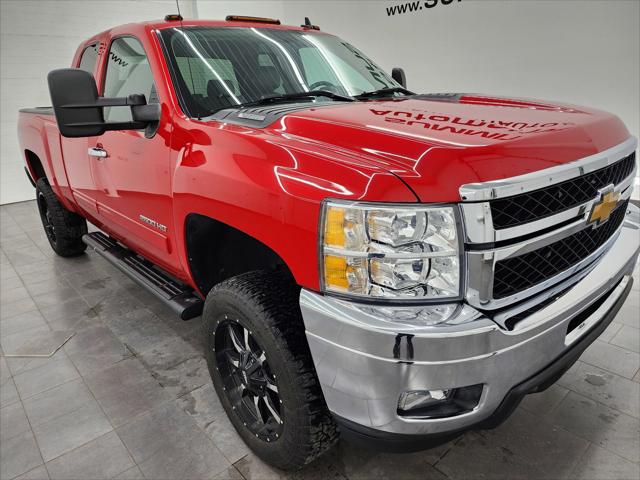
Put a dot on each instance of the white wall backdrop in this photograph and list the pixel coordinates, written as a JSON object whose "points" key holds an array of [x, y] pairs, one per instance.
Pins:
{"points": [[37, 36], [578, 51]]}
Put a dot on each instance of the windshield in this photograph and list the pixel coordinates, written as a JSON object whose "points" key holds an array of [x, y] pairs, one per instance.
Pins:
{"points": [[222, 67]]}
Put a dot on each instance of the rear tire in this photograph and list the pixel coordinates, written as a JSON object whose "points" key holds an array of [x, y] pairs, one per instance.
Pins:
{"points": [[271, 392], [64, 229]]}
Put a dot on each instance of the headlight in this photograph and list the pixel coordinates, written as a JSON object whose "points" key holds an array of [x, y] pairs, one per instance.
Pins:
{"points": [[402, 252]]}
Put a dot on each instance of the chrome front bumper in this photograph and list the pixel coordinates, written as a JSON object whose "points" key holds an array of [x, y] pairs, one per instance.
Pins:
{"points": [[365, 361]]}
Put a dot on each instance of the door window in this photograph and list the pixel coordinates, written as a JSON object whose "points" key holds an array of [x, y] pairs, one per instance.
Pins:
{"points": [[128, 72], [89, 58]]}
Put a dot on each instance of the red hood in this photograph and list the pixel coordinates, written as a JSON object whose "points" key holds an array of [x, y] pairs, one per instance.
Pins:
{"points": [[437, 143]]}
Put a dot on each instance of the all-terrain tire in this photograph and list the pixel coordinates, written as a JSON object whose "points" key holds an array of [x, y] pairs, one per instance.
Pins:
{"points": [[64, 229], [266, 304]]}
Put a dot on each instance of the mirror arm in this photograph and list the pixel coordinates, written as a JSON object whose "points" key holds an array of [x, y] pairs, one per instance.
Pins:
{"points": [[130, 101]]}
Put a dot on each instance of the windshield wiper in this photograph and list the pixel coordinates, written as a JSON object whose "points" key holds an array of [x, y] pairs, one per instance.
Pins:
{"points": [[383, 92], [295, 96]]}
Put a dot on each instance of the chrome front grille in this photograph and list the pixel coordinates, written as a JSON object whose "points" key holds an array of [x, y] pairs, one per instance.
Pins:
{"points": [[519, 273], [530, 206], [532, 250]]}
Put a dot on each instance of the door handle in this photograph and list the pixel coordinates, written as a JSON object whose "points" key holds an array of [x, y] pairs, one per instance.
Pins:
{"points": [[97, 152]]}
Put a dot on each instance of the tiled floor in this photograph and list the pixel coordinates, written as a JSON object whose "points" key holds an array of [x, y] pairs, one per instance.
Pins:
{"points": [[129, 396]]}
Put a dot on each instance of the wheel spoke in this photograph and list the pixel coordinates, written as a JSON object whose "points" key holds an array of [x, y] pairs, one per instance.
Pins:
{"points": [[272, 386], [246, 338], [233, 358], [237, 345], [267, 401], [256, 402]]}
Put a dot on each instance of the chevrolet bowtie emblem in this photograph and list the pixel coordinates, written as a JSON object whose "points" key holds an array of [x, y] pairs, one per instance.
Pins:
{"points": [[602, 208]]}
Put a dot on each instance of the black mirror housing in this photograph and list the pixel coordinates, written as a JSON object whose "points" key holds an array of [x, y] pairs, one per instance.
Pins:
{"points": [[72, 87], [399, 76], [79, 109]]}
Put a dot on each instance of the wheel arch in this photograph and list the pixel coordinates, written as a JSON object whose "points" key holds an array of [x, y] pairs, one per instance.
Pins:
{"points": [[217, 251], [34, 165]]}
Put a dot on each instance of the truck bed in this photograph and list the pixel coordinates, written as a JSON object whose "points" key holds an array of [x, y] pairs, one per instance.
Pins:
{"points": [[38, 110]]}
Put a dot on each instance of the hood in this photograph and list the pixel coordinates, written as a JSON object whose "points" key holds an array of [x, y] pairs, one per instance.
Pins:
{"points": [[436, 143]]}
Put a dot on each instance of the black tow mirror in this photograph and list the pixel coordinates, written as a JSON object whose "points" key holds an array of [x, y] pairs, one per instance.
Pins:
{"points": [[398, 75], [79, 109]]}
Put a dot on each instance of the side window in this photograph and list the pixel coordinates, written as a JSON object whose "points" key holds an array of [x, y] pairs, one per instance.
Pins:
{"points": [[89, 58], [128, 72]]}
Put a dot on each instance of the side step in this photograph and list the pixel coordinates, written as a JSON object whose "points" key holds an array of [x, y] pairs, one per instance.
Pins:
{"points": [[181, 298]]}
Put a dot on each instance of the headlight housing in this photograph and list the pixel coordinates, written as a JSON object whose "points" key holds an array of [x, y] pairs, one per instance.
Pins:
{"points": [[402, 252]]}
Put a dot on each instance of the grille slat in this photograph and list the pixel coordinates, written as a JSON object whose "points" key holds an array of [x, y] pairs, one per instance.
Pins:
{"points": [[516, 274], [528, 207]]}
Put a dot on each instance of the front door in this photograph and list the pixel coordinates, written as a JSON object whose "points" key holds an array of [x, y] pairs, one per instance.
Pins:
{"points": [[131, 168]]}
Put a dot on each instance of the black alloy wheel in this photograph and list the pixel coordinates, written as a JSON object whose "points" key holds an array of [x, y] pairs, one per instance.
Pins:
{"points": [[248, 381]]}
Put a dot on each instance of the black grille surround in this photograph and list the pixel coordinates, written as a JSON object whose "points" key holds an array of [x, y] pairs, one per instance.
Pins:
{"points": [[516, 274], [528, 207]]}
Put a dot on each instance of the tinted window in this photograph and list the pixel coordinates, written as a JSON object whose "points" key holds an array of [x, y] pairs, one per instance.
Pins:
{"points": [[128, 72], [221, 67], [89, 58]]}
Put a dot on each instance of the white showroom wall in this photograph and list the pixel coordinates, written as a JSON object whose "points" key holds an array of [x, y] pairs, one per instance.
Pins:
{"points": [[38, 36], [579, 51]]}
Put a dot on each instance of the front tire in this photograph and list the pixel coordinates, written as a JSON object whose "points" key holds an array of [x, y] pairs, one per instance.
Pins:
{"points": [[64, 229], [262, 370]]}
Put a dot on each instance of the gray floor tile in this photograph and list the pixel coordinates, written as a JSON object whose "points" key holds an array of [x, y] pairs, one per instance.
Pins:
{"points": [[51, 374], [14, 341], [47, 285], [177, 365], [102, 458], [230, 473], [601, 464], [11, 309], [13, 295], [38, 473], [23, 322], [205, 408], [629, 315], [43, 344], [55, 297], [604, 387], [10, 283], [552, 450], [475, 457], [166, 444], [8, 392], [57, 401], [599, 424], [7, 271], [544, 402], [126, 390], [67, 432], [95, 348], [18, 365], [612, 358], [140, 329], [628, 337], [13, 421], [65, 314], [134, 473], [18, 455]]}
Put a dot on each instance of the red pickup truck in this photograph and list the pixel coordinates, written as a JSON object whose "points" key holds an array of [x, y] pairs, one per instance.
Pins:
{"points": [[392, 267]]}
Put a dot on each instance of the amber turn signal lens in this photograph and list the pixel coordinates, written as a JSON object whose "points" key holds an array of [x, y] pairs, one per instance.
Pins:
{"points": [[335, 271], [334, 227]]}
